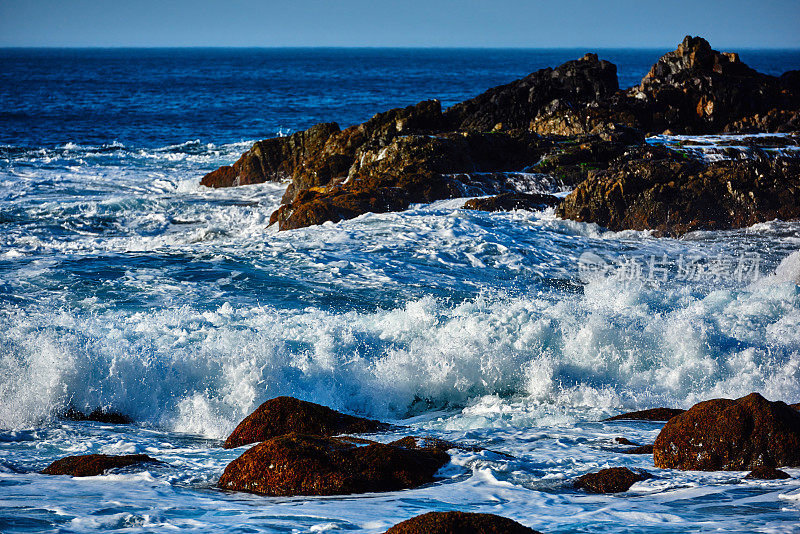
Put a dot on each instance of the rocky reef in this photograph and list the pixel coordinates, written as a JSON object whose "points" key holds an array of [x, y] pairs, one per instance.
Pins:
{"points": [[572, 123]]}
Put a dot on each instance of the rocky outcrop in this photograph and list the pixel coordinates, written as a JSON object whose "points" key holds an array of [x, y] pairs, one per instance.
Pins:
{"points": [[297, 464], [696, 90], [512, 201], [459, 523], [515, 105], [767, 473], [611, 480], [89, 465], [653, 414], [420, 154], [724, 434], [285, 415], [655, 188]]}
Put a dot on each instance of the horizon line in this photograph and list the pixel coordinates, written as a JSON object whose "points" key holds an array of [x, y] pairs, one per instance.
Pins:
{"points": [[360, 47]]}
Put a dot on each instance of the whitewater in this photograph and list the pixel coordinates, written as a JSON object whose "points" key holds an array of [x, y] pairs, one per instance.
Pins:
{"points": [[127, 286]]}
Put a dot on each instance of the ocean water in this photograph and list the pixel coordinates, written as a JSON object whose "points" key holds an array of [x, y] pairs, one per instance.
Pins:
{"points": [[125, 285]]}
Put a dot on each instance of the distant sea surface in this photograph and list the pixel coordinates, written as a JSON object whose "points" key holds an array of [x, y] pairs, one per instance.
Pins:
{"points": [[125, 285]]}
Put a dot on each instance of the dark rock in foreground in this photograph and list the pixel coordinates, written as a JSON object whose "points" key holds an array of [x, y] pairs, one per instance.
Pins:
{"points": [[459, 523], [297, 464], [724, 434], [89, 465], [98, 414], [285, 415], [655, 188], [512, 201], [767, 473], [612, 480], [653, 414], [795, 406]]}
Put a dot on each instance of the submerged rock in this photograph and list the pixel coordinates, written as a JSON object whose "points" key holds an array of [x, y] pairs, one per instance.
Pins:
{"points": [[100, 415], [767, 473], [653, 414], [285, 415], [611, 480], [512, 201], [297, 464], [642, 449], [459, 523], [89, 465], [724, 434]]}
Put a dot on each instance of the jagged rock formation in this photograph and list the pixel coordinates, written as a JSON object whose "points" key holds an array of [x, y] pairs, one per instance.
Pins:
{"points": [[421, 154]]}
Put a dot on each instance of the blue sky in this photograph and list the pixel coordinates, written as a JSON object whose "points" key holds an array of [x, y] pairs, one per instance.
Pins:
{"points": [[498, 23]]}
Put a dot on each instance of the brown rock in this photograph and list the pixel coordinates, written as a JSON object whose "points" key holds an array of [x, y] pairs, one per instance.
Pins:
{"points": [[653, 414], [459, 523], [767, 473], [284, 415], [512, 201], [297, 464], [612, 480], [795, 406], [724, 434], [89, 465]]}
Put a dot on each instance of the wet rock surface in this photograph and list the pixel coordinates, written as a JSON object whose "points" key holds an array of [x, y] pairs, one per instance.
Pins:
{"points": [[459, 523], [611, 480], [724, 434], [297, 464], [88, 465], [653, 414], [284, 415]]}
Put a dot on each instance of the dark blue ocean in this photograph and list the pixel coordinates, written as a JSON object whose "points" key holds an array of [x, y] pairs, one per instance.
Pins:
{"points": [[127, 286]]}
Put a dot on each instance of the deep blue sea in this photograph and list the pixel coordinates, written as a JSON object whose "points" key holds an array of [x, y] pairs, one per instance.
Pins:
{"points": [[125, 285]]}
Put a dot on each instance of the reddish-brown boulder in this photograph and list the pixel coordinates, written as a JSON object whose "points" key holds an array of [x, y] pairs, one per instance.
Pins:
{"points": [[459, 523], [653, 414], [284, 415], [297, 464], [89, 465], [724, 434], [767, 473], [611, 480]]}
